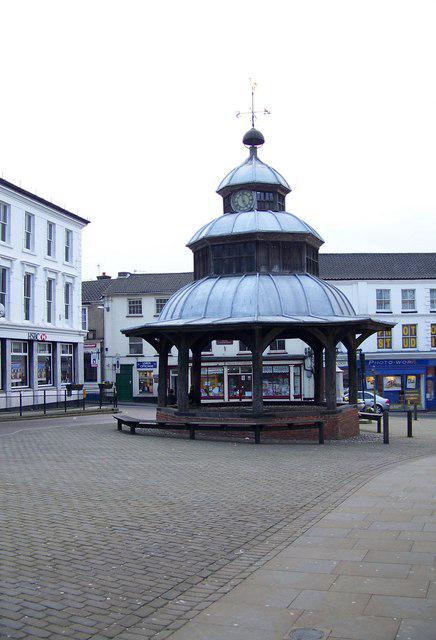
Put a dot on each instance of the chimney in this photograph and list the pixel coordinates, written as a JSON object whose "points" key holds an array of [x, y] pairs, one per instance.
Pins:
{"points": [[104, 276], [124, 274]]}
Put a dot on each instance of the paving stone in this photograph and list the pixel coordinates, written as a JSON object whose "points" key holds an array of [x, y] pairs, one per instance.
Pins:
{"points": [[374, 569], [353, 627], [416, 630], [329, 602], [402, 607]]}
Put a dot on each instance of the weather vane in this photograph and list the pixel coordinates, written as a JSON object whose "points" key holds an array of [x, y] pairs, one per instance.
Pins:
{"points": [[252, 112]]}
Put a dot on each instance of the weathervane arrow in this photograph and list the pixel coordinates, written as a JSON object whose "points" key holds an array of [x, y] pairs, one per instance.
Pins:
{"points": [[252, 111]]}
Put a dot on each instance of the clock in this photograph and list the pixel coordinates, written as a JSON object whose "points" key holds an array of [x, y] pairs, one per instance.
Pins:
{"points": [[242, 200]]}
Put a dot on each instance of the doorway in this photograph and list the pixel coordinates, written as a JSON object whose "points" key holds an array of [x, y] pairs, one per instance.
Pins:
{"points": [[125, 383]]}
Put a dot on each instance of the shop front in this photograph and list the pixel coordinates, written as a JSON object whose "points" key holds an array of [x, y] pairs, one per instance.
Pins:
{"points": [[403, 382]]}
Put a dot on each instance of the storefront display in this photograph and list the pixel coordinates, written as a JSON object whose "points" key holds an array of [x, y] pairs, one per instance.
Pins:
{"points": [[67, 364], [276, 381], [19, 364], [392, 383], [297, 382], [240, 382], [45, 363], [370, 381], [145, 381], [212, 383]]}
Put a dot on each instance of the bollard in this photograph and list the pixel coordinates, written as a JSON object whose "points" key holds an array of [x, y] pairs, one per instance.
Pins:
{"points": [[409, 423], [84, 399], [45, 404], [415, 411], [385, 427], [21, 404], [65, 400], [101, 396]]}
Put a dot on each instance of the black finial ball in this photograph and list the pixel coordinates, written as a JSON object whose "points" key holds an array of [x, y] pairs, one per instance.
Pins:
{"points": [[253, 138]]}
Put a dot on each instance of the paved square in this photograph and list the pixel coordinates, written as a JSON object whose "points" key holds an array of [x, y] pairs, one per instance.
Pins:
{"points": [[108, 535]]}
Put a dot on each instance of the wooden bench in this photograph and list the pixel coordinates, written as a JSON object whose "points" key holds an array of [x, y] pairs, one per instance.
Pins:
{"points": [[364, 415], [192, 427]]}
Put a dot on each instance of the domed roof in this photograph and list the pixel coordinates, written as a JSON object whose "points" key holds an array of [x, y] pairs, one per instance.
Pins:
{"points": [[295, 298], [253, 221], [253, 138], [253, 170]]}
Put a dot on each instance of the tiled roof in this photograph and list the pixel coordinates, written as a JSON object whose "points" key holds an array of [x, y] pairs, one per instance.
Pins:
{"points": [[154, 283], [377, 266], [92, 290]]}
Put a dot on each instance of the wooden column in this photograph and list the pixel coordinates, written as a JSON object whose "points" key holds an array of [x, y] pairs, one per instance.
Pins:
{"points": [[352, 373], [183, 374], [256, 351], [330, 374], [318, 374], [196, 374], [162, 392]]}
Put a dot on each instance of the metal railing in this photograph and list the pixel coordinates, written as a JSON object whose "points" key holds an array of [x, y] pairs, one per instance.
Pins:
{"points": [[48, 400]]}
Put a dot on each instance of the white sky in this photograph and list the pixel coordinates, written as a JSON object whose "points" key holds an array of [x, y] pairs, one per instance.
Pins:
{"points": [[124, 113]]}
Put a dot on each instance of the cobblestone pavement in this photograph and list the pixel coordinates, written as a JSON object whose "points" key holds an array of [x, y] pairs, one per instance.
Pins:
{"points": [[107, 535]]}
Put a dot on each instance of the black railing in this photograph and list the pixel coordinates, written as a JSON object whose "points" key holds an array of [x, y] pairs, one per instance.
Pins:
{"points": [[48, 400]]}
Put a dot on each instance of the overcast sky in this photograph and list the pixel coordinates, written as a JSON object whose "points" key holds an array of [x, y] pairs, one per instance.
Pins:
{"points": [[124, 112]]}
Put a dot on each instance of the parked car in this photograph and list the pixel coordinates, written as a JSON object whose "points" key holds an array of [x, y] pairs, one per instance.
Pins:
{"points": [[382, 404]]}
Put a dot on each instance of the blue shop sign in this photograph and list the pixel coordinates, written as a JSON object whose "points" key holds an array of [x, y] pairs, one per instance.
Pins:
{"points": [[144, 364], [395, 366]]}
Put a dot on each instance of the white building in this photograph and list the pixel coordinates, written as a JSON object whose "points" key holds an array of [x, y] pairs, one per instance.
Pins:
{"points": [[401, 364], [40, 290]]}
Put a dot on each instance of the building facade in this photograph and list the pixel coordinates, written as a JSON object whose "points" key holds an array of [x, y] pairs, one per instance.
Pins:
{"points": [[40, 296], [400, 363]]}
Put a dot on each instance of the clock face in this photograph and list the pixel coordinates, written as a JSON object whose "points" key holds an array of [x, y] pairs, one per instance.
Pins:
{"points": [[242, 200]]}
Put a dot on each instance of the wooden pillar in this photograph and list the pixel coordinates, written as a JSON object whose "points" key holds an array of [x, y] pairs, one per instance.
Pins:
{"points": [[330, 374], [352, 372], [183, 374], [318, 374], [162, 392], [257, 350], [196, 375]]}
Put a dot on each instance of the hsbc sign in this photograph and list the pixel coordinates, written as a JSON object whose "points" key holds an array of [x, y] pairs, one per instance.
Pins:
{"points": [[36, 335]]}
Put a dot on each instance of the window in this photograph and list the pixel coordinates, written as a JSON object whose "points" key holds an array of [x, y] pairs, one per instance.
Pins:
{"points": [[67, 363], [312, 260], [27, 296], [276, 381], [410, 340], [68, 245], [29, 223], [243, 346], [3, 286], [236, 257], [207, 348], [19, 364], [383, 299], [50, 288], [67, 300], [85, 318], [135, 346], [160, 303], [51, 231], [264, 201], [4, 222], [134, 307], [45, 363], [278, 345], [433, 336], [408, 302], [240, 382], [432, 299], [89, 367], [384, 339], [212, 383]]}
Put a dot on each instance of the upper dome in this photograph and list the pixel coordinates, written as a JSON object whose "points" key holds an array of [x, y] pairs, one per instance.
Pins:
{"points": [[296, 298], [253, 138], [253, 170], [254, 221]]}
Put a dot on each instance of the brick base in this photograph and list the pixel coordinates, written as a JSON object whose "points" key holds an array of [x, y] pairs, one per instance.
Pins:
{"points": [[339, 424]]}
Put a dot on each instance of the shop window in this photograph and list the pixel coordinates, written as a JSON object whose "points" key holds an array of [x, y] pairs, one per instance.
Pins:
{"points": [[408, 300], [145, 381], [212, 383], [4, 222], [384, 339], [68, 254], [276, 382], [383, 300], [51, 232], [89, 368], [278, 345], [410, 339], [160, 303], [27, 295], [297, 383], [433, 336], [84, 318], [45, 363], [240, 382], [432, 299], [50, 289], [19, 364], [235, 257], [134, 307], [135, 346], [67, 369]]}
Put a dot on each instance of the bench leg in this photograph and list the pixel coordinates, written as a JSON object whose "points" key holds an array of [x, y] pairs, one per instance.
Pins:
{"points": [[379, 424], [321, 433], [257, 435], [192, 433], [132, 429], [119, 426]]}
